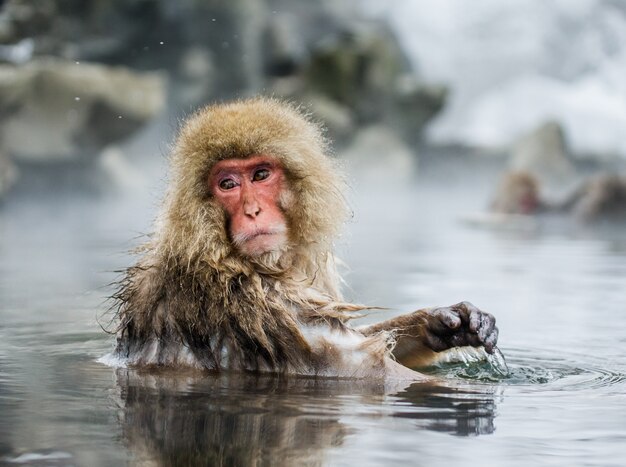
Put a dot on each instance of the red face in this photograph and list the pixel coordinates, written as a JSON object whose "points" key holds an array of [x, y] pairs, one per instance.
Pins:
{"points": [[249, 191]]}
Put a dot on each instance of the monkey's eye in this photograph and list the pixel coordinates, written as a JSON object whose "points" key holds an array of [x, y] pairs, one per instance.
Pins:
{"points": [[227, 184], [260, 174]]}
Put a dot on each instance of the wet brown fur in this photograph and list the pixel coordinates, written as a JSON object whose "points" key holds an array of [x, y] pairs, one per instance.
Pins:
{"points": [[192, 289], [601, 196]]}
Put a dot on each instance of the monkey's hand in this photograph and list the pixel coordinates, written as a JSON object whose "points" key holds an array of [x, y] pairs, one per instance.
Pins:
{"points": [[457, 326], [423, 333]]}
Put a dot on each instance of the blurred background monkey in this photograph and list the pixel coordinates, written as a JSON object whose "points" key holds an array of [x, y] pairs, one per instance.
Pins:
{"points": [[240, 272], [601, 196]]}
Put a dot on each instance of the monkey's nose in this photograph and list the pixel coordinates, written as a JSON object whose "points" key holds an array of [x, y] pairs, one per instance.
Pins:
{"points": [[251, 208]]}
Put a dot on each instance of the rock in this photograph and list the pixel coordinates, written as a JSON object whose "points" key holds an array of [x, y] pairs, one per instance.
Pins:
{"points": [[416, 103], [8, 174], [221, 50], [359, 70], [232, 32], [543, 152], [337, 119], [284, 51], [53, 110], [18, 53], [357, 67], [197, 75], [20, 19], [86, 31], [117, 170], [378, 151]]}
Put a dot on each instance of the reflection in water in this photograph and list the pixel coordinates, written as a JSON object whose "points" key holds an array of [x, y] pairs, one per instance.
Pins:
{"points": [[221, 420], [245, 419], [450, 410]]}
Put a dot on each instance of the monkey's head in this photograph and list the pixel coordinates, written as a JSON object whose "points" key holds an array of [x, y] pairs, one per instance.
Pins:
{"points": [[517, 193], [250, 180]]}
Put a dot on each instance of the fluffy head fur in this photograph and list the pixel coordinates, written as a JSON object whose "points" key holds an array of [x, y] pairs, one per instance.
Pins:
{"points": [[192, 287], [192, 224], [517, 193]]}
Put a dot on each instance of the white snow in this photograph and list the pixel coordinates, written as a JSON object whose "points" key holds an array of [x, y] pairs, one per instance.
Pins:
{"points": [[513, 65]]}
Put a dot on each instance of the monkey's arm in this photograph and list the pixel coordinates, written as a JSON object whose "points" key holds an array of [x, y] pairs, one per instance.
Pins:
{"points": [[600, 194], [423, 333]]}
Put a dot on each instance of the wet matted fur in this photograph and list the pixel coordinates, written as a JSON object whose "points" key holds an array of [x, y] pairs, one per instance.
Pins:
{"points": [[193, 299]]}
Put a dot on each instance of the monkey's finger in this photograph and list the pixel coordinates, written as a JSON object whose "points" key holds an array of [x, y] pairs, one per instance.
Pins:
{"points": [[490, 342], [446, 319], [487, 324], [475, 321], [465, 310]]}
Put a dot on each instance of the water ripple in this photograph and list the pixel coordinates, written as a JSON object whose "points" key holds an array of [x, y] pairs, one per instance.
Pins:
{"points": [[535, 369]]}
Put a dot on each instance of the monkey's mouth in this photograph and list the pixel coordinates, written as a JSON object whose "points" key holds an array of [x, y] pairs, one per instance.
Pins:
{"points": [[262, 233], [260, 240], [244, 237]]}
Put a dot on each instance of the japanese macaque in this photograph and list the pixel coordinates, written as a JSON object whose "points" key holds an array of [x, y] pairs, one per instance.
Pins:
{"points": [[600, 196], [517, 193], [240, 273]]}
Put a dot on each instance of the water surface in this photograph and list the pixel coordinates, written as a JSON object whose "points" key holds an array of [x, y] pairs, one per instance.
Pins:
{"points": [[557, 291]]}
